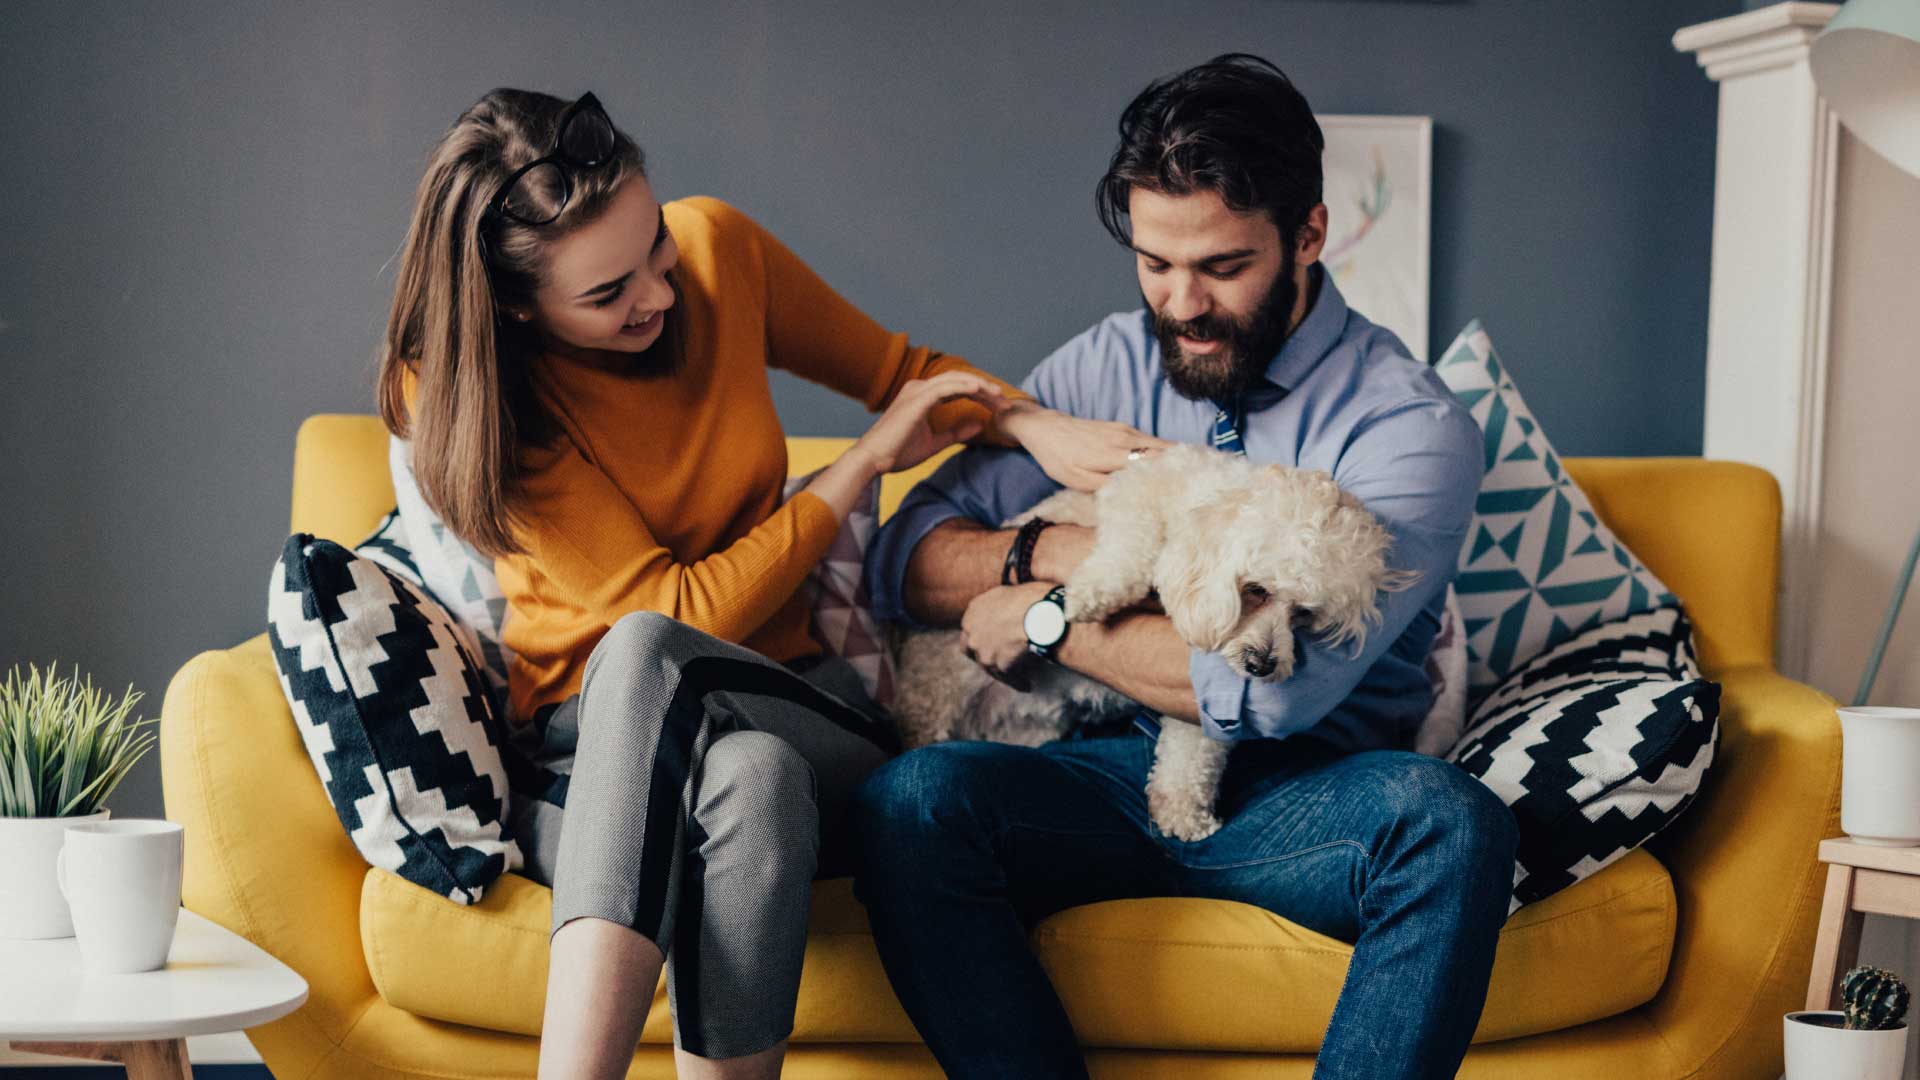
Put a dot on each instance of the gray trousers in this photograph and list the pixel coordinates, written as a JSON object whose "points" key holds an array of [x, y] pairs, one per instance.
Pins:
{"points": [[693, 790]]}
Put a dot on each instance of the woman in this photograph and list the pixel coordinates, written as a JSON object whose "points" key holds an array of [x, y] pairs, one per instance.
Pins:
{"points": [[582, 373]]}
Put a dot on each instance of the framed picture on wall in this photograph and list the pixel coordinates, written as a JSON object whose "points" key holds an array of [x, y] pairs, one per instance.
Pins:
{"points": [[1379, 195]]}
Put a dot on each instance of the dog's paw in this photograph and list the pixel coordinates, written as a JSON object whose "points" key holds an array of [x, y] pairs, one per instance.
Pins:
{"points": [[1180, 818], [1090, 603]]}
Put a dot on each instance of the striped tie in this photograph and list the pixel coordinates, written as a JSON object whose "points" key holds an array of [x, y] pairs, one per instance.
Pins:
{"points": [[1226, 430]]}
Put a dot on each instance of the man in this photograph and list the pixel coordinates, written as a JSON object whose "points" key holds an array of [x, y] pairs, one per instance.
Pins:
{"points": [[1244, 344]]}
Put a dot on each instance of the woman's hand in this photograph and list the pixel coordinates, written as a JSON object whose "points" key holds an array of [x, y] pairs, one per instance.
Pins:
{"points": [[902, 437], [1080, 454]]}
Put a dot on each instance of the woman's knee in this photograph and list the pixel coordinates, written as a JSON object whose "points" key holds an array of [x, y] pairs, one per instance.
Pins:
{"points": [[756, 789], [637, 634]]}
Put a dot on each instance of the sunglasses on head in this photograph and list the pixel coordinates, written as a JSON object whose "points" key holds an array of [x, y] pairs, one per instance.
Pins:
{"points": [[538, 192]]}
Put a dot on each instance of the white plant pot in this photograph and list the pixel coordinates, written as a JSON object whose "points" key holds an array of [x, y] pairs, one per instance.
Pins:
{"points": [[30, 902], [1880, 775], [1815, 1052]]}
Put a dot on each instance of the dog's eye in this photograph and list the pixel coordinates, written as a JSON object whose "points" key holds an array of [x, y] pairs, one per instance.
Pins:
{"points": [[1254, 590]]}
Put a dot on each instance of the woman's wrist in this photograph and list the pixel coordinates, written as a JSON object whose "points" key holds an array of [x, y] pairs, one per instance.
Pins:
{"points": [[864, 461], [1020, 417]]}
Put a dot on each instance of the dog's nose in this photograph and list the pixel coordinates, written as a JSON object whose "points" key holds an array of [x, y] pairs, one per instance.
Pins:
{"points": [[1260, 665]]}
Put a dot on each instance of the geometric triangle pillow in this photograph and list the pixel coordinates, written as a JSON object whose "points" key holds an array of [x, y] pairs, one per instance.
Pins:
{"points": [[842, 620], [1538, 566]]}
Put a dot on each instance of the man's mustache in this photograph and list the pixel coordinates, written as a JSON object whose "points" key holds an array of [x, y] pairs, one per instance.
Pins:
{"points": [[1202, 329]]}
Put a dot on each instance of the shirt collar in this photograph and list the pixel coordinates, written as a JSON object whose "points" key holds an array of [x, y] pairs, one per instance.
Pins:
{"points": [[1316, 335]]}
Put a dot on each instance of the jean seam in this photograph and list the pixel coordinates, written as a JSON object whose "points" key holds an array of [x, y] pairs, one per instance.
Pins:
{"points": [[1355, 844]]}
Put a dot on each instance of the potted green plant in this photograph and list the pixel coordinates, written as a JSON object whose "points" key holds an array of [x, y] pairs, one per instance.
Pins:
{"points": [[1867, 1040], [64, 747]]}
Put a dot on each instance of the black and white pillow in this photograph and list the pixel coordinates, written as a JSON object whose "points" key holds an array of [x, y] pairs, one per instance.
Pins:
{"points": [[395, 716], [1596, 745]]}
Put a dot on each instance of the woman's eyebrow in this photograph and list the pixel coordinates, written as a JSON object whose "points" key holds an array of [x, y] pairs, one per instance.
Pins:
{"points": [[613, 286]]}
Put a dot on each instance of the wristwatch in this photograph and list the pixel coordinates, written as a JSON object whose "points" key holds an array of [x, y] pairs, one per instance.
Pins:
{"points": [[1046, 623]]}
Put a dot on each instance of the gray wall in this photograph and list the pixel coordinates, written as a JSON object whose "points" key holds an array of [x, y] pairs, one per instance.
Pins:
{"points": [[198, 204]]}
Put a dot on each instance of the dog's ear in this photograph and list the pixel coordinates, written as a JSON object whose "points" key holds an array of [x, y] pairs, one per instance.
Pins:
{"points": [[1202, 601]]}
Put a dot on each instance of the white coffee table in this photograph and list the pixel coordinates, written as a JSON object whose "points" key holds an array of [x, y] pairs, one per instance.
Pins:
{"points": [[215, 981]]}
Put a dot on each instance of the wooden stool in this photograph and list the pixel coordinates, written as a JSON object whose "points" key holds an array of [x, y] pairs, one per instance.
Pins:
{"points": [[1861, 879]]}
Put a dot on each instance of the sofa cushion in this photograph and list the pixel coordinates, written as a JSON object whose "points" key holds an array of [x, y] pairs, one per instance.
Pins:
{"points": [[394, 716], [1593, 950], [1539, 565]]}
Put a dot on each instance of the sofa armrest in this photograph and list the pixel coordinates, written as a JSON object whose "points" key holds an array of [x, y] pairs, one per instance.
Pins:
{"points": [[1747, 875], [265, 854]]}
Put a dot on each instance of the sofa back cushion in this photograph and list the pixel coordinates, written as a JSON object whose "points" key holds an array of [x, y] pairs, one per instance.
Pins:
{"points": [[1709, 529]]}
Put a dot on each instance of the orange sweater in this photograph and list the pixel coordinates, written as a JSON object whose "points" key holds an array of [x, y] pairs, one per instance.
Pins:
{"points": [[663, 494]]}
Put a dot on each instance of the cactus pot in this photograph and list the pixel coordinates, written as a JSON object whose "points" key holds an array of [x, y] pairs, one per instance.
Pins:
{"points": [[1819, 1048]]}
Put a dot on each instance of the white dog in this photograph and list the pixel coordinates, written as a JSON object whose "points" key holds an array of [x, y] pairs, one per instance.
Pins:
{"points": [[1239, 553]]}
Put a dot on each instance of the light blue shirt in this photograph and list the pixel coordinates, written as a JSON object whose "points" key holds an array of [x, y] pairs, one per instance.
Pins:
{"points": [[1357, 406]]}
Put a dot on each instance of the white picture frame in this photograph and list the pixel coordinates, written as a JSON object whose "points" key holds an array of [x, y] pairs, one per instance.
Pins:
{"points": [[1378, 187]]}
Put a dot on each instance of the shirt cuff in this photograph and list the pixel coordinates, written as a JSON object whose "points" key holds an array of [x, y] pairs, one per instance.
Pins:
{"points": [[1222, 701], [890, 553]]}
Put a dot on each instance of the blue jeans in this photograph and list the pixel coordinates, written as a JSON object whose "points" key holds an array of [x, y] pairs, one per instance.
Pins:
{"points": [[964, 846]]}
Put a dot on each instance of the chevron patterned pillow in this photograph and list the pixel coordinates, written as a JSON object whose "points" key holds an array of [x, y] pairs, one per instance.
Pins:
{"points": [[394, 712], [1538, 566], [1596, 745]]}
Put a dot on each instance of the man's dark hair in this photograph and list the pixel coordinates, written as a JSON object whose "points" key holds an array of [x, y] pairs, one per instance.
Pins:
{"points": [[1235, 126]]}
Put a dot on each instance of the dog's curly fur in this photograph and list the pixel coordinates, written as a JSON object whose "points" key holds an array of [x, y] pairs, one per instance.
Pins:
{"points": [[1240, 554]]}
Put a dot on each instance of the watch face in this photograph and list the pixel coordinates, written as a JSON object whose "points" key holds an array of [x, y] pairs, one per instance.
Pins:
{"points": [[1046, 623]]}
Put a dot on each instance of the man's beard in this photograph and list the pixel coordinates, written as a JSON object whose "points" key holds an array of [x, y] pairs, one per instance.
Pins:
{"points": [[1251, 344]]}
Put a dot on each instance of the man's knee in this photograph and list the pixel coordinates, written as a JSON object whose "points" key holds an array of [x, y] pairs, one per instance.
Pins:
{"points": [[928, 789], [1444, 806]]}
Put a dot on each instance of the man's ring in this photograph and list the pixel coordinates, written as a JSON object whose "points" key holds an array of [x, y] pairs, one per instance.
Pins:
{"points": [[1136, 453]]}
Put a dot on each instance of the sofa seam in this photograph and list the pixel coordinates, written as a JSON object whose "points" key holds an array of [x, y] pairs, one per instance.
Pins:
{"points": [[241, 906], [1805, 902], [1064, 935]]}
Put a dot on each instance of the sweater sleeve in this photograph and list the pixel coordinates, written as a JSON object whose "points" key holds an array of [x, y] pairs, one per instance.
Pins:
{"points": [[592, 546], [815, 333]]}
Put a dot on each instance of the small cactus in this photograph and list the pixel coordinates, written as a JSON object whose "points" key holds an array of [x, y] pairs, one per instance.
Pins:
{"points": [[1875, 998]]}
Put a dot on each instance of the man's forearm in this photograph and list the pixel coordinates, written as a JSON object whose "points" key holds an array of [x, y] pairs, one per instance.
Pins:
{"points": [[955, 562], [1139, 654], [959, 559]]}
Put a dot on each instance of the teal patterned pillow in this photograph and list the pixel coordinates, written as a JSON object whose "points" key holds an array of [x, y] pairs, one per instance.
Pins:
{"points": [[1538, 566]]}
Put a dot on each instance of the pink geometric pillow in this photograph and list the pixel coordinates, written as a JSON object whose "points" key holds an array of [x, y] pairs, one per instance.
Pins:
{"points": [[843, 621]]}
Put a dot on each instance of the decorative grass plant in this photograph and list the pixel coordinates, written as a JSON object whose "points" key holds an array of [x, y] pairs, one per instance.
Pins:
{"points": [[64, 745]]}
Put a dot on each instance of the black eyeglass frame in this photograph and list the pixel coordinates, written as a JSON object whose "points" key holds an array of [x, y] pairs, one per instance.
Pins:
{"points": [[565, 164]]}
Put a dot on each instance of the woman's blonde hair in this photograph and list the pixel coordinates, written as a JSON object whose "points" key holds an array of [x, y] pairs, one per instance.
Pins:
{"points": [[462, 272]]}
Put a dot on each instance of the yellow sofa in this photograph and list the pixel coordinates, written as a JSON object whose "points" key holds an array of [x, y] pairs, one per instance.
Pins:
{"points": [[1675, 962]]}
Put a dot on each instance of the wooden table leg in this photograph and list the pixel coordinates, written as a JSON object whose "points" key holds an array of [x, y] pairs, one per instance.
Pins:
{"points": [[160, 1059], [163, 1060], [1837, 947]]}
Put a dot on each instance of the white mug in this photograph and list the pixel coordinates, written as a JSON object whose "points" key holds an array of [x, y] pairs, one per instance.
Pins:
{"points": [[1880, 775], [122, 881]]}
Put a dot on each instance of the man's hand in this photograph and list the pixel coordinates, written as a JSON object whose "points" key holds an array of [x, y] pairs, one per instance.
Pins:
{"points": [[994, 629]]}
